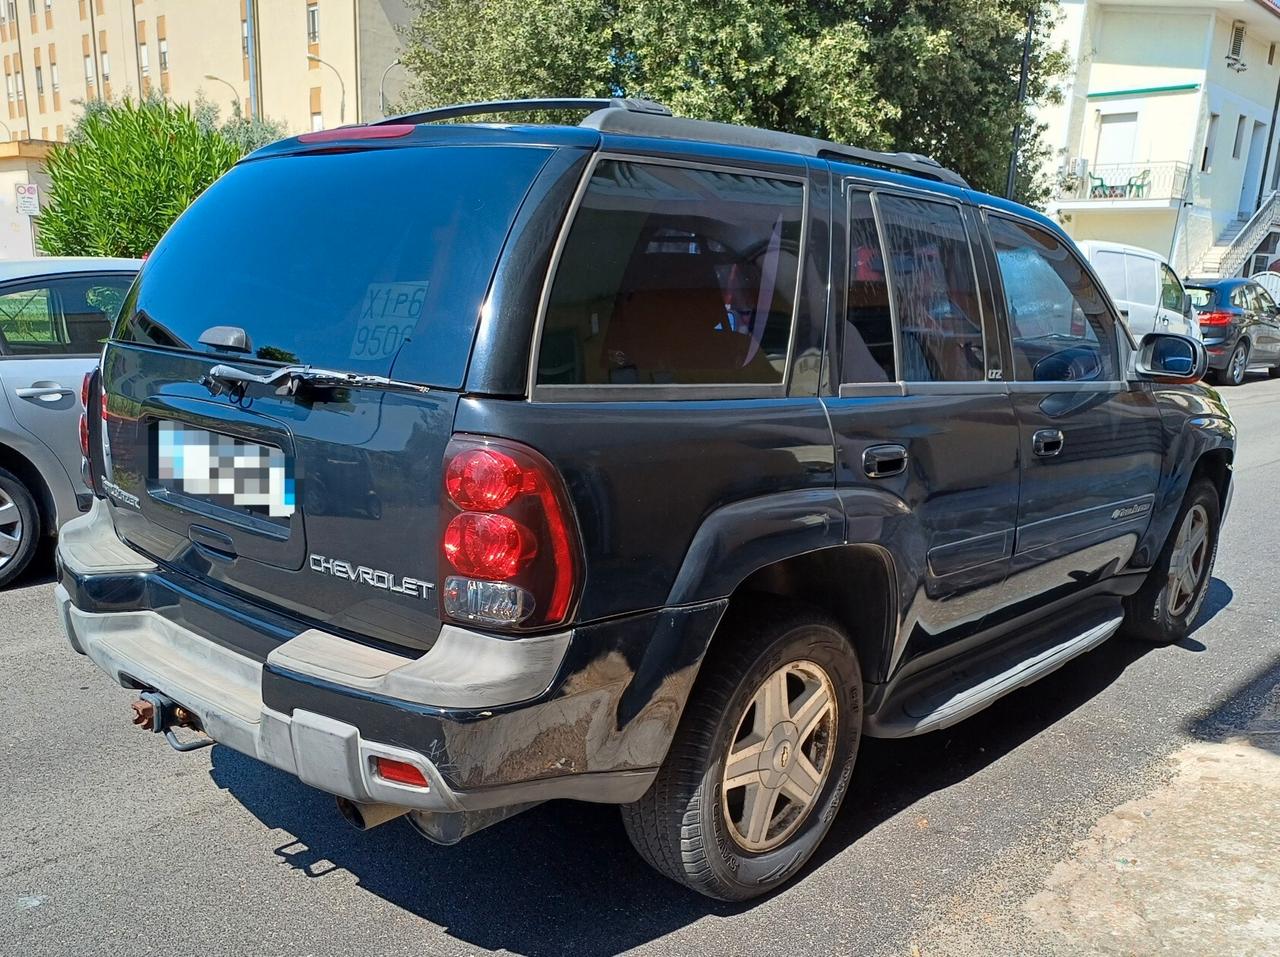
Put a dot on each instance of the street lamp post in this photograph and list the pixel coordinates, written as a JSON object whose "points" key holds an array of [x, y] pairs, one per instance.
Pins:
{"points": [[382, 85], [235, 94], [342, 88]]}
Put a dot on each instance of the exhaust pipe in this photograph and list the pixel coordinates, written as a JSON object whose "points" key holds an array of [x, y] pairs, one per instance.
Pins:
{"points": [[363, 817]]}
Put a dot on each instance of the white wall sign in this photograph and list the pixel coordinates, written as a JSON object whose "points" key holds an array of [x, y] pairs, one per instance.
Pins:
{"points": [[28, 199]]}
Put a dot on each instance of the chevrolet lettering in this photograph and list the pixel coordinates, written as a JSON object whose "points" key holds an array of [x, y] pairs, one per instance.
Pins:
{"points": [[370, 576]]}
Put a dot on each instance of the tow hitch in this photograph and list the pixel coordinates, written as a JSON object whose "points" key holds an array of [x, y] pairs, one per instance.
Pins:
{"points": [[161, 714]]}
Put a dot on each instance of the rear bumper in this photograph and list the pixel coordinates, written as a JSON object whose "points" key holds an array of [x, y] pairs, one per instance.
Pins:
{"points": [[1219, 348], [491, 722]]}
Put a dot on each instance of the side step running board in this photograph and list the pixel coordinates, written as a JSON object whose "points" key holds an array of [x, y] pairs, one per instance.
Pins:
{"points": [[944, 701]]}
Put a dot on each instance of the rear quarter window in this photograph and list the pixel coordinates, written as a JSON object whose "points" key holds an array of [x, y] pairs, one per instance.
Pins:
{"points": [[674, 275]]}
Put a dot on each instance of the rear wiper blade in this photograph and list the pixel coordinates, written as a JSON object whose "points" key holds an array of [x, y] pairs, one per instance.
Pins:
{"points": [[287, 380]]}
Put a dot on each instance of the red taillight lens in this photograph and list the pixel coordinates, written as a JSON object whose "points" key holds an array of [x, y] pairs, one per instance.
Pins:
{"points": [[401, 772], [84, 435], [84, 391], [488, 546], [510, 552], [1215, 318], [483, 480], [389, 132]]}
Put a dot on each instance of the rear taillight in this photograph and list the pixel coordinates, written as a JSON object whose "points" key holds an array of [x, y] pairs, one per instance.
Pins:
{"points": [[390, 131], [509, 545], [1216, 318]]}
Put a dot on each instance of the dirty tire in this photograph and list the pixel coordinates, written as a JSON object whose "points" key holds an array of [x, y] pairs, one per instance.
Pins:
{"points": [[19, 527], [679, 826], [1148, 615]]}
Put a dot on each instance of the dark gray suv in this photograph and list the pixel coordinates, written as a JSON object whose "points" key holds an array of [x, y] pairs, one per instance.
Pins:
{"points": [[646, 461]]}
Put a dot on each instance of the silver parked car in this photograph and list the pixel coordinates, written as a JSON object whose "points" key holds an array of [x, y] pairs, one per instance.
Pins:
{"points": [[54, 315]]}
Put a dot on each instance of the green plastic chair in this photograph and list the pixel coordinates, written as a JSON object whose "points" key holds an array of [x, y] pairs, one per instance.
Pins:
{"points": [[1138, 185]]}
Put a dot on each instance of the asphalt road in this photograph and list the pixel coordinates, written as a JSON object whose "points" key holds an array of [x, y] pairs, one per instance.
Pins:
{"points": [[113, 843]]}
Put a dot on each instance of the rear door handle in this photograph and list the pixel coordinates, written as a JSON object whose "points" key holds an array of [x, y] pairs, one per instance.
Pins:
{"points": [[883, 461], [1047, 442], [43, 390]]}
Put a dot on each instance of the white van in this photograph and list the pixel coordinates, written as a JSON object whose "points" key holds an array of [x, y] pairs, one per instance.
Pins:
{"points": [[1144, 286]]}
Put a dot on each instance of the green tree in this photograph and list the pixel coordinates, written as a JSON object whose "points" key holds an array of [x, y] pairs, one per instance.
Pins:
{"points": [[246, 132], [932, 76], [126, 172]]}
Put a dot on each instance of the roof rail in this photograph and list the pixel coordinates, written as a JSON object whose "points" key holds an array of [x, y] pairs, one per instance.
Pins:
{"points": [[540, 104], [647, 118], [673, 127]]}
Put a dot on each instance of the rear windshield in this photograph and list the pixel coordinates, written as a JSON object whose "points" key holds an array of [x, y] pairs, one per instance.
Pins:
{"points": [[1202, 297], [336, 259]]}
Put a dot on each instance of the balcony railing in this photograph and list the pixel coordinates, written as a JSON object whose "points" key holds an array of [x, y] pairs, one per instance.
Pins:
{"points": [[1127, 181]]}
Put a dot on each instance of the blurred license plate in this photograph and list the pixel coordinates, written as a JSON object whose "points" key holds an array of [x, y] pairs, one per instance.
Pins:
{"points": [[224, 470]]}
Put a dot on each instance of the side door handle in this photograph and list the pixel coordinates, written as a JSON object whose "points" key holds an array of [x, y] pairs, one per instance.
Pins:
{"points": [[1047, 442], [883, 461], [43, 390]]}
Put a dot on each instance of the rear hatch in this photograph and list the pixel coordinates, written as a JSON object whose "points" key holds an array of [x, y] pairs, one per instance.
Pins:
{"points": [[313, 493]]}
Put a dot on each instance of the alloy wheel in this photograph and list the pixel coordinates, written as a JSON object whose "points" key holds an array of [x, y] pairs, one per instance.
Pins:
{"points": [[11, 528], [1189, 559], [781, 756], [1239, 360]]}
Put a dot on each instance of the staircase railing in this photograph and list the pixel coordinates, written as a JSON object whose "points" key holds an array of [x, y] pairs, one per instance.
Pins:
{"points": [[1250, 236]]}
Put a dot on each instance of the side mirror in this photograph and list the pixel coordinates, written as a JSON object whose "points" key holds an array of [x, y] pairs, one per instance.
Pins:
{"points": [[1164, 357], [1186, 305]]}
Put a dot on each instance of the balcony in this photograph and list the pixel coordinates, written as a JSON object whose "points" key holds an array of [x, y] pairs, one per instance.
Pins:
{"points": [[1125, 186]]}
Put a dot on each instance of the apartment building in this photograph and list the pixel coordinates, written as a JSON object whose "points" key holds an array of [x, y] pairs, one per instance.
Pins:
{"points": [[1167, 134], [308, 63]]}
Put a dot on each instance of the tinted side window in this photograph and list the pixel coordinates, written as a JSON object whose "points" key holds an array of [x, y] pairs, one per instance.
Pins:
{"points": [[1059, 321], [934, 291], [68, 315], [1266, 304], [868, 330], [1170, 289], [675, 276], [1239, 298]]}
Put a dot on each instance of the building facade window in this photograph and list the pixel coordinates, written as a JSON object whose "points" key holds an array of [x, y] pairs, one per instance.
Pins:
{"points": [[8, 82], [244, 37], [106, 67], [22, 88], [164, 55], [1210, 139], [313, 23], [89, 77], [39, 81], [144, 59], [53, 77], [317, 122], [1239, 141], [32, 4]]}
